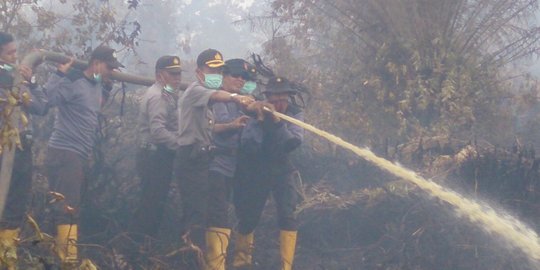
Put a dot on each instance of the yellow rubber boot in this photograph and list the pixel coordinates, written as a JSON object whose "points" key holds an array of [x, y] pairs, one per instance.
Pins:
{"points": [[243, 251], [66, 243], [287, 245], [8, 248], [217, 241]]}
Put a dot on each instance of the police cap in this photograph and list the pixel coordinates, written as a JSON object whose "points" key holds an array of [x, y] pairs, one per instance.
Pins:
{"points": [[210, 58], [170, 63]]}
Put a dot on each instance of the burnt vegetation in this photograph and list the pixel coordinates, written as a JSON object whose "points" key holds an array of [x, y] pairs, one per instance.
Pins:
{"points": [[432, 84]]}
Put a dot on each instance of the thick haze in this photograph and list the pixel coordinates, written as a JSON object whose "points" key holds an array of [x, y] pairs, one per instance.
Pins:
{"points": [[185, 28]]}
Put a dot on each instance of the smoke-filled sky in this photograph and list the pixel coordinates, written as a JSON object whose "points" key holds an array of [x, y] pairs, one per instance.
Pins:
{"points": [[186, 27], [193, 26]]}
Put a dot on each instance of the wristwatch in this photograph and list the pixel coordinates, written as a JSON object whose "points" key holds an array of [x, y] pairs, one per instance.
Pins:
{"points": [[32, 83], [232, 96]]}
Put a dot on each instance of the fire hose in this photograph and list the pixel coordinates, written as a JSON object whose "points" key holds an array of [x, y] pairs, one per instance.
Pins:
{"points": [[32, 60]]}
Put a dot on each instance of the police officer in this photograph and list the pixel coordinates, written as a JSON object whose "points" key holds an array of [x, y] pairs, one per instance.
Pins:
{"points": [[78, 96], [230, 119], [196, 122], [21, 178], [158, 141], [264, 167]]}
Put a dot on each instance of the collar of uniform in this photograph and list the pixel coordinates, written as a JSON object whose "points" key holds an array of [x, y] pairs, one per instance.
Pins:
{"points": [[90, 80], [165, 93]]}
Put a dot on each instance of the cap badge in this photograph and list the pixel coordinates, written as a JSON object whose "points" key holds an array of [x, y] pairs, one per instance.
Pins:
{"points": [[218, 56], [176, 61]]}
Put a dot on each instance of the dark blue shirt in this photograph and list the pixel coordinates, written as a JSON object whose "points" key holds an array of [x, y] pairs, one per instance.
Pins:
{"points": [[78, 100], [227, 142], [267, 145]]}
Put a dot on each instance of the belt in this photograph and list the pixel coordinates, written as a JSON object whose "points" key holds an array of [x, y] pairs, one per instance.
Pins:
{"points": [[224, 151]]}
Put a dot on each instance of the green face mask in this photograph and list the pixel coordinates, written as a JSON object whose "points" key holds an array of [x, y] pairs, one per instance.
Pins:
{"points": [[7, 67], [249, 87], [97, 77], [213, 81], [169, 89]]}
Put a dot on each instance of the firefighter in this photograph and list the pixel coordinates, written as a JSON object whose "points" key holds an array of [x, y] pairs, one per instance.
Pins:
{"points": [[78, 95], [21, 178], [264, 168], [158, 141]]}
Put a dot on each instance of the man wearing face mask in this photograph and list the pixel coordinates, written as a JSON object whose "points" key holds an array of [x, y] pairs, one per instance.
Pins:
{"points": [[158, 135], [78, 96], [230, 119], [250, 83], [21, 177], [264, 167], [196, 122]]}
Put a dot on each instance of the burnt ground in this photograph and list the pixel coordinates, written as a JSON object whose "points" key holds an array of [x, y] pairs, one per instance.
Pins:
{"points": [[353, 216]]}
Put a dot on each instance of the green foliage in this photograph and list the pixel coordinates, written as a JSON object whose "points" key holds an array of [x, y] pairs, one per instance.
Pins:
{"points": [[69, 26]]}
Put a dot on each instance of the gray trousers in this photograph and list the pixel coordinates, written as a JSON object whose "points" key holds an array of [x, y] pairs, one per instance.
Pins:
{"points": [[66, 174]]}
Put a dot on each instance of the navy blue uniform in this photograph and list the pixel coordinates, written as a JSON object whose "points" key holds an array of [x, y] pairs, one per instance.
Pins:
{"points": [[223, 165], [264, 167]]}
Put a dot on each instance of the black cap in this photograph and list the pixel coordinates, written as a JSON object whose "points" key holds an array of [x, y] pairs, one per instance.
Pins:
{"points": [[278, 85], [5, 38], [236, 67], [210, 58], [107, 55], [169, 63], [252, 71]]}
